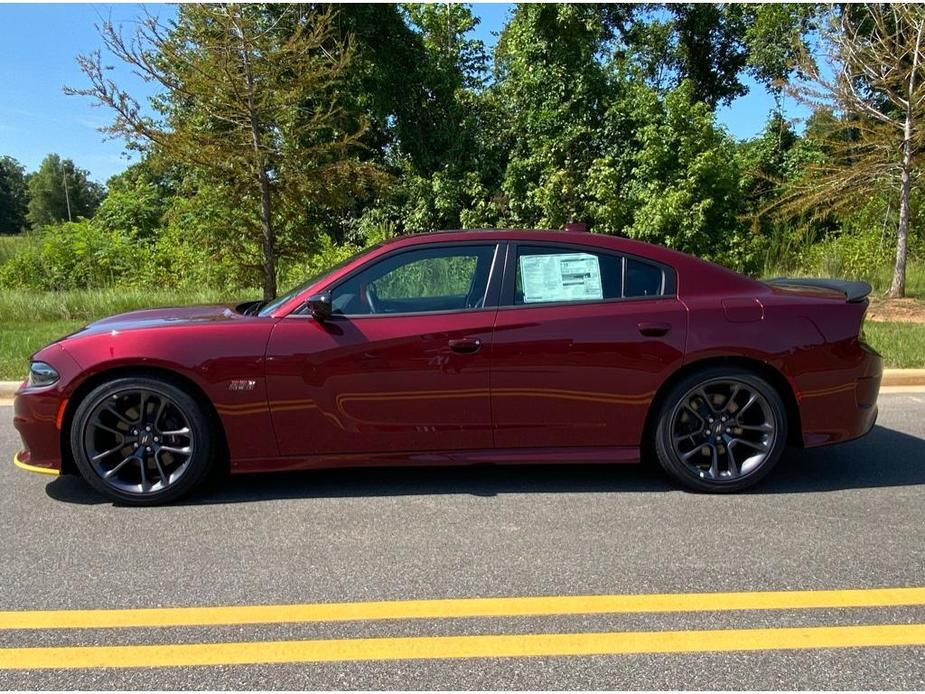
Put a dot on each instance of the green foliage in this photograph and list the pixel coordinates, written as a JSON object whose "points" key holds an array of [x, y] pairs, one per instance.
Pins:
{"points": [[598, 113], [901, 344], [712, 45], [18, 340], [710, 53], [73, 255], [13, 196], [552, 91], [683, 191], [136, 201], [12, 245], [775, 36], [49, 200], [251, 102], [428, 277], [326, 255]]}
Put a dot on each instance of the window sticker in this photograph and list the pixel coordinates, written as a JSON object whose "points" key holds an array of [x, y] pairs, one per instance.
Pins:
{"points": [[561, 277]]}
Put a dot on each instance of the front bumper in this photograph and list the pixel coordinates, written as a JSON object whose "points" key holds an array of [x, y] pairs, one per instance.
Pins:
{"points": [[21, 459], [38, 415]]}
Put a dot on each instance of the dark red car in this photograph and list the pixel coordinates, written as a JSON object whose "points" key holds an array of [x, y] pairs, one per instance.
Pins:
{"points": [[462, 347]]}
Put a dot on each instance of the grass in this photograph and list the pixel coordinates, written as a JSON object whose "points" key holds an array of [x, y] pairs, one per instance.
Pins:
{"points": [[30, 320], [881, 277], [21, 305], [18, 341], [10, 245], [901, 344]]}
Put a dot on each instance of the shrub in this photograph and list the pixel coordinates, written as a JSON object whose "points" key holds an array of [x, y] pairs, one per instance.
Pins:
{"points": [[74, 255]]}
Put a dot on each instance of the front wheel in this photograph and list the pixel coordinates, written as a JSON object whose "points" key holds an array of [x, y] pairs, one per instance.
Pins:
{"points": [[141, 440], [720, 430]]}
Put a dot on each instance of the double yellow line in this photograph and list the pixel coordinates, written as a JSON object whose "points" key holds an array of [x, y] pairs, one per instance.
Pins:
{"points": [[480, 646]]}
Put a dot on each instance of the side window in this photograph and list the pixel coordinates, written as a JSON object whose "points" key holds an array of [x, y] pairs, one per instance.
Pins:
{"points": [[448, 278], [549, 274], [643, 279]]}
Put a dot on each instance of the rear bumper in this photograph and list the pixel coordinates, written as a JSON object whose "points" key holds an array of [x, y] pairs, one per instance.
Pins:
{"points": [[841, 405]]}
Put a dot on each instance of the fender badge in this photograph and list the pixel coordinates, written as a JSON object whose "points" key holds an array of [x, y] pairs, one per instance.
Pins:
{"points": [[239, 384]]}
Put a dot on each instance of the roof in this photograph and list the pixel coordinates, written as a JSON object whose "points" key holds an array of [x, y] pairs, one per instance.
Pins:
{"points": [[616, 243]]}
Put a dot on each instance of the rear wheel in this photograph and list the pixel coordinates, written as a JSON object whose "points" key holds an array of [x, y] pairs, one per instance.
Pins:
{"points": [[141, 440], [720, 430]]}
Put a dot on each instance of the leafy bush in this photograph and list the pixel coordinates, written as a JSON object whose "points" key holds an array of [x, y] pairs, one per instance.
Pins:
{"points": [[75, 255]]}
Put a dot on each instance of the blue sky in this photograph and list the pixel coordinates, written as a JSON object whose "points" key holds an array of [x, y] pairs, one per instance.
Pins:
{"points": [[38, 46]]}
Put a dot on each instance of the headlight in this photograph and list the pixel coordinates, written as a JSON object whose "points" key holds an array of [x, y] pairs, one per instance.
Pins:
{"points": [[41, 374]]}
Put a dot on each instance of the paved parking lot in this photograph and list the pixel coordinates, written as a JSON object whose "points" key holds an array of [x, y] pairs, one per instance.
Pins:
{"points": [[850, 517]]}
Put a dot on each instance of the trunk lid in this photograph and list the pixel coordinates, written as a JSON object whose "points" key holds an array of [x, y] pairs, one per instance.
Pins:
{"points": [[850, 291]]}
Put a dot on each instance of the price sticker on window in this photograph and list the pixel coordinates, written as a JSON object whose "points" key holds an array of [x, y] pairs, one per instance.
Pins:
{"points": [[560, 277]]}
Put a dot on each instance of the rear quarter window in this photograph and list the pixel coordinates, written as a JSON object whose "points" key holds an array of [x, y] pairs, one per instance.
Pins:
{"points": [[643, 279]]}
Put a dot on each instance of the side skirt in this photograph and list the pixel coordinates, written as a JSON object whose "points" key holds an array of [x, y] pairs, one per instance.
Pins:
{"points": [[511, 456]]}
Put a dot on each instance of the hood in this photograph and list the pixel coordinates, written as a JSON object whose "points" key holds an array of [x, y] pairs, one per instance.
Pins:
{"points": [[162, 317]]}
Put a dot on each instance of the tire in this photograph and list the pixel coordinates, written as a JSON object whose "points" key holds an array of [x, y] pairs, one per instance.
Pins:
{"points": [[711, 436], [141, 441]]}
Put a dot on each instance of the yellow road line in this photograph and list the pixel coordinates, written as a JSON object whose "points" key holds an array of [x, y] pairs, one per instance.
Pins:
{"points": [[486, 646], [466, 607]]}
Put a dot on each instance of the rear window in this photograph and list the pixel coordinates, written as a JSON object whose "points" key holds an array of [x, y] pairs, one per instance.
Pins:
{"points": [[550, 274], [547, 275]]}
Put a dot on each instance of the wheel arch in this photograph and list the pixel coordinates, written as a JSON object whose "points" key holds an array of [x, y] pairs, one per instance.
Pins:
{"points": [[773, 376], [85, 387]]}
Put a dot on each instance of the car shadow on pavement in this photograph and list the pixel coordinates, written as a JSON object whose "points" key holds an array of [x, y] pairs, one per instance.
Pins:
{"points": [[884, 458]]}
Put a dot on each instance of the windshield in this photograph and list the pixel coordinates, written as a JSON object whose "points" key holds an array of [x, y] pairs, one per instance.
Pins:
{"points": [[280, 300]]}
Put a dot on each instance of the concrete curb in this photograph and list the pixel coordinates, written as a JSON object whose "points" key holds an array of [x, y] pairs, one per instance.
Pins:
{"points": [[891, 377], [903, 377]]}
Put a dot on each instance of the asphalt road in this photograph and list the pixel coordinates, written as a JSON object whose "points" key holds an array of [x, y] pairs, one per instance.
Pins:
{"points": [[847, 517]]}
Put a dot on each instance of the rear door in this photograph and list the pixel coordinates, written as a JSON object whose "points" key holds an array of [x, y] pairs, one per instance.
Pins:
{"points": [[582, 341]]}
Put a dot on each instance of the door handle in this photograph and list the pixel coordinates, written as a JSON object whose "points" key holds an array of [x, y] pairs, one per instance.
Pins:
{"points": [[650, 329], [466, 345]]}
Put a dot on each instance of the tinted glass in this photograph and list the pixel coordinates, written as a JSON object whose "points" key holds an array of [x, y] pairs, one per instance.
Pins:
{"points": [[547, 275], [643, 279], [451, 278], [267, 309]]}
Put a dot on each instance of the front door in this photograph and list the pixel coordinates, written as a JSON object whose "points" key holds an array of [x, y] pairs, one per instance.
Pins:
{"points": [[401, 366]]}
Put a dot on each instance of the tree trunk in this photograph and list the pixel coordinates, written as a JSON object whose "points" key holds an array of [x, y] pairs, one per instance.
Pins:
{"points": [[269, 239], [898, 286], [268, 235]]}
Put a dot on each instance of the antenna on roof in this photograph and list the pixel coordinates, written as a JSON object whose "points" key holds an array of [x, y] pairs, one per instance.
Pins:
{"points": [[577, 226]]}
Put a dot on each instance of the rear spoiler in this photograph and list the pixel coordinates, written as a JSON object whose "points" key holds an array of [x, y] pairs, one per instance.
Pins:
{"points": [[854, 291]]}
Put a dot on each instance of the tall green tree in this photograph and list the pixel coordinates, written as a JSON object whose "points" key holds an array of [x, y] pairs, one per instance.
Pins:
{"points": [[61, 192], [553, 90], [250, 97], [714, 46], [14, 201], [873, 103], [136, 200]]}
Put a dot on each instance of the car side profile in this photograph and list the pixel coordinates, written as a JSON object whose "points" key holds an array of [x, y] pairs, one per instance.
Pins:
{"points": [[462, 347]]}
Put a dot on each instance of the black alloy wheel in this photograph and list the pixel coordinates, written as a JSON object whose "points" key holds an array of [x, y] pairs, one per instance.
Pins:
{"points": [[720, 430], [141, 440]]}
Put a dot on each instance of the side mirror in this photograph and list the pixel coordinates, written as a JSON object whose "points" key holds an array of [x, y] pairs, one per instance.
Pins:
{"points": [[320, 306]]}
